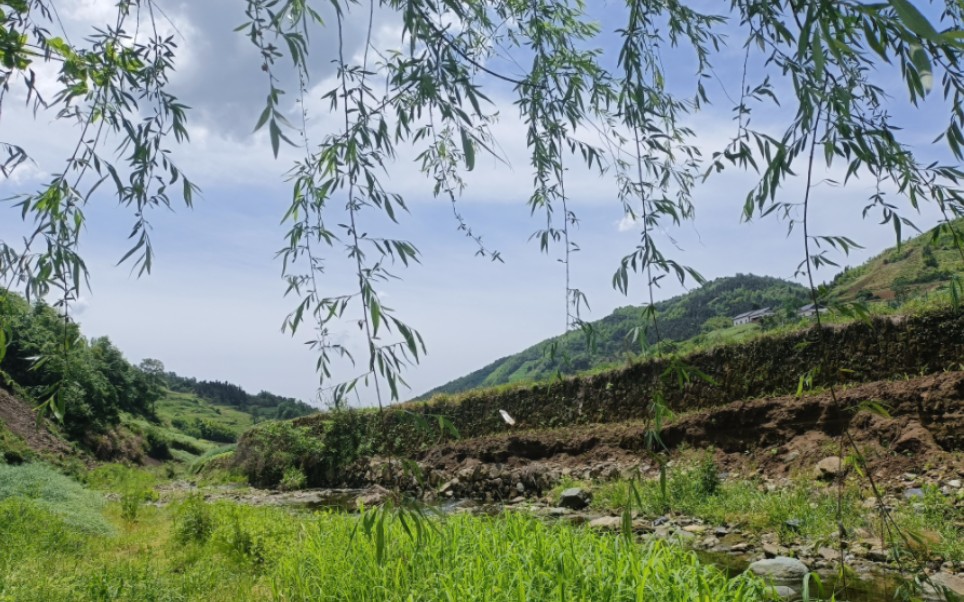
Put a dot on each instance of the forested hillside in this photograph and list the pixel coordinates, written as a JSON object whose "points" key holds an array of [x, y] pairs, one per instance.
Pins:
{"points": [[625, 332], [112, 408], [263, 406], [48, 361]]}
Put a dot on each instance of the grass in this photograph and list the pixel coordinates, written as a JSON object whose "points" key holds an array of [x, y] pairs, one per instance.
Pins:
{"points": [[12, 448], [194, 550], [36, 488], [512, 557], [933, 523], [189, 407], [176, 431]]}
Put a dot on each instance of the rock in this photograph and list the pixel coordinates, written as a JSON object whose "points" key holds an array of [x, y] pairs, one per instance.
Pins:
{"points": [[915, 439], [575, 498], [375, 497], [559, 511], [660, 520], [772, 550], [520, 487], [710, 540], [695, 528], [448, 486], [606, 523], [781, 570], [942, 584], [913, 492], [828, 468], [793, 524], [828, 553], [954, 483], [786, 593], [740, 547], [576, 519]]}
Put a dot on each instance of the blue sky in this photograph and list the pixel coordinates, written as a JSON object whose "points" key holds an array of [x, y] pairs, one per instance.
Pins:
{"points": [[214, 304]]}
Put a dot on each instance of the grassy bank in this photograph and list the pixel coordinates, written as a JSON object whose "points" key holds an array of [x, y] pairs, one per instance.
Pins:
{"points": [[803, 511], [194, 550]]}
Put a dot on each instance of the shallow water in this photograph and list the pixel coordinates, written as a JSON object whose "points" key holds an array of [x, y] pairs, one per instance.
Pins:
{"points": [[864, 588]]}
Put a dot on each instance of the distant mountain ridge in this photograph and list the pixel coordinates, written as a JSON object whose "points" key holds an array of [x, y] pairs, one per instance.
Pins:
{"points": [[680, 318]]}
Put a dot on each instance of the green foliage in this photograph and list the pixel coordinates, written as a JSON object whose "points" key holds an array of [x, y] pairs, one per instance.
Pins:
{"points": [[13, 449], [272, 449], [218, 454], [196, 551], [50, 491], [480, 558], [917, 267], [293, 478], [205, 429], [88, 383], [193, 520], [263, 406]]}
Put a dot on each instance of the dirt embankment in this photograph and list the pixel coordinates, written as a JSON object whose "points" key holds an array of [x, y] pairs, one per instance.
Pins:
{"points": [[21, 420], [774, 436]]}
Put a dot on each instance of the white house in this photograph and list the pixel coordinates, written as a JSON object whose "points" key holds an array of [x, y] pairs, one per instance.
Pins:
{"points": [[752, 316]]}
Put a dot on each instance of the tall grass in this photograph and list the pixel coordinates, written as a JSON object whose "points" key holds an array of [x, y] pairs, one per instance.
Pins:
{"points": [[507, 558], [200, 551]]}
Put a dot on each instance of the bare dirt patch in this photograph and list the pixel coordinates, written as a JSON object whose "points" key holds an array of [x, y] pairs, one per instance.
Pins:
{"points": [[21, 419]]}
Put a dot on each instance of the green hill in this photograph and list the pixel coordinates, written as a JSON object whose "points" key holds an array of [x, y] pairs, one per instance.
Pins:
{"points": [[621, 333], [920, 265]]}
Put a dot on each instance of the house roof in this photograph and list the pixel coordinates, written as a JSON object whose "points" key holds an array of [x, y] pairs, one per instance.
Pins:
{"points": [[755, 313]]}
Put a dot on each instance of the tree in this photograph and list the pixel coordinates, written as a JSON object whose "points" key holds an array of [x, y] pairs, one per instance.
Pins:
{"points": [[818, 60]]}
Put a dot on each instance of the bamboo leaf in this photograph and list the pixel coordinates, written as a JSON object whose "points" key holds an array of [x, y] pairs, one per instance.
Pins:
{"points": [[914, 20]]}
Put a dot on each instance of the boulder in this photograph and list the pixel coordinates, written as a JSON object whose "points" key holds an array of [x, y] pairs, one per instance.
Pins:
{"points": [[781, 570], [941, 584], [607, 523], [575, 498], [828, 469]]}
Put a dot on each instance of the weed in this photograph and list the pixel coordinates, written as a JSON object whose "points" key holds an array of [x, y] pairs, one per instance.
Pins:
{"points": [[294, 478], [193, 522]]}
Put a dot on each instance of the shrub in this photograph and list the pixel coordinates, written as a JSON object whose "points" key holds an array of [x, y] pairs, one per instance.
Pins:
{"points": [[266, 452], [193, 520], [156, 445], [707, 475], [213, 431], [293, 479]]}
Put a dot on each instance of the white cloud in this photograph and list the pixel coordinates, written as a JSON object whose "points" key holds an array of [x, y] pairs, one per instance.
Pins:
{"points": [[627, 223]]}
